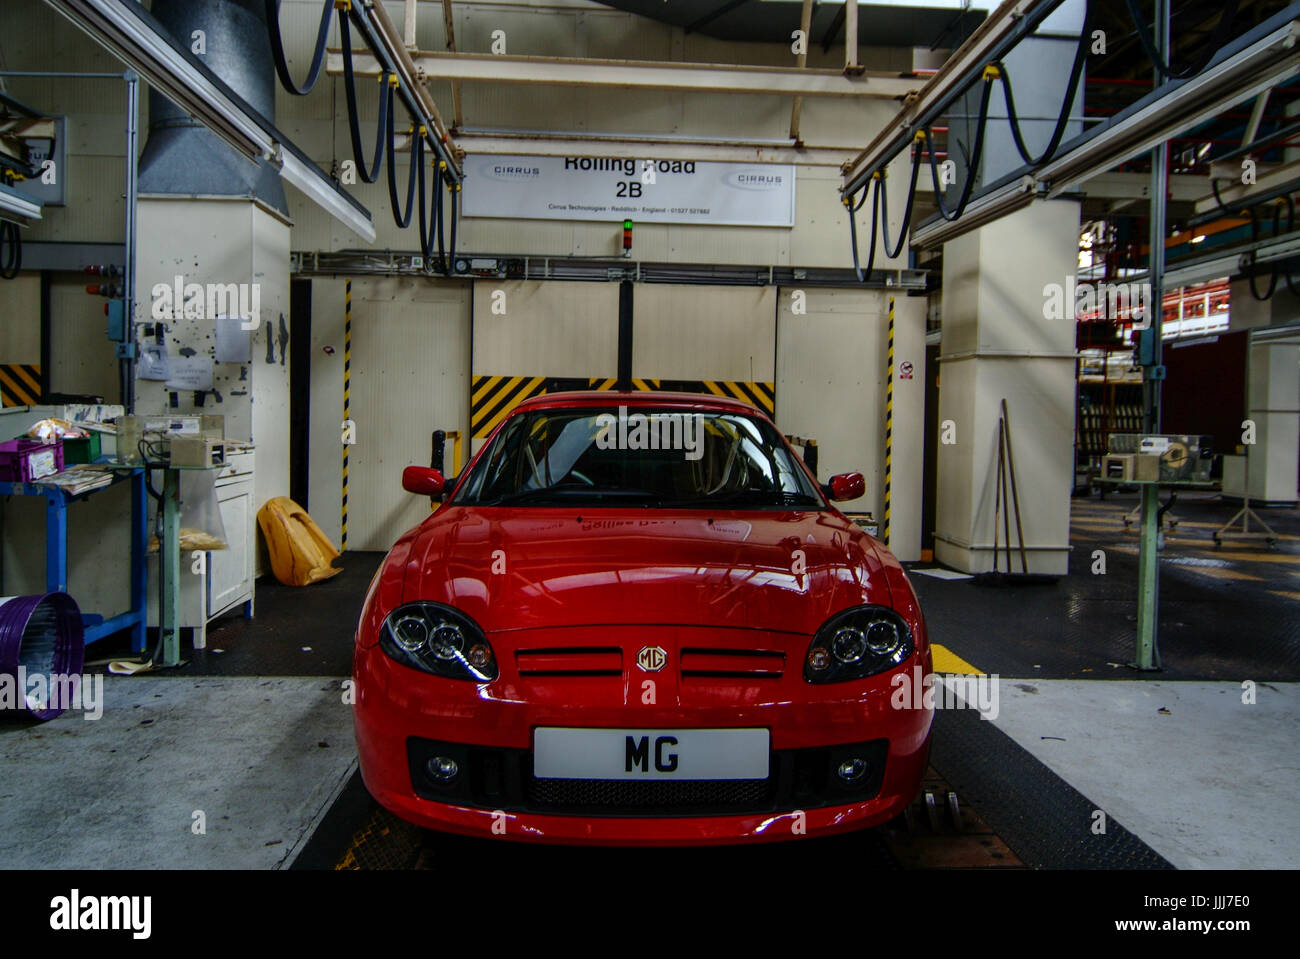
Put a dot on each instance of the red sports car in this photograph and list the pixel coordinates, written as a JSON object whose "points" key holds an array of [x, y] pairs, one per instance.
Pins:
{"points": [[637, 620]]}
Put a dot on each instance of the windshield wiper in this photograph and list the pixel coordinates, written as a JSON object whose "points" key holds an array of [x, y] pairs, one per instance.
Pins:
{"points": [[750, 497], [570, 491]]}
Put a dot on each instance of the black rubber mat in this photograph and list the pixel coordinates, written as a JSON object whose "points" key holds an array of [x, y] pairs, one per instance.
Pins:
{"points": [[1085, 625], [297, 631], [1046, 821]]}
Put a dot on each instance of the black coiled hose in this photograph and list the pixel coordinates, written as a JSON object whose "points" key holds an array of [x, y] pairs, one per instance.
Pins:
{"points": [[11, 250], [907, 209], [369, 173], [277, 48], [1062, 118], [972, 167], [417, 153], [870, 189]]}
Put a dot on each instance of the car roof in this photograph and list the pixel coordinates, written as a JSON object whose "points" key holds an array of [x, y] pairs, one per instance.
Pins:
{"points": [[697, 401]]}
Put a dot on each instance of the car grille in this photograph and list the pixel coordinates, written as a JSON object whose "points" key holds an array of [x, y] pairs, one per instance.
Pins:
{"points": [[699, 662], [493, 778], [680, 796], [570, 661]]}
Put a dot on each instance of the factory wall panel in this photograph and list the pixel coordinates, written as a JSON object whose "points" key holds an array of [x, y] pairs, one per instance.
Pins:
{"points": [[269, 428], [81, 356], [20, 336], [410, 363], [704, 333], [325, 450], [526, 332], [831, 369]]}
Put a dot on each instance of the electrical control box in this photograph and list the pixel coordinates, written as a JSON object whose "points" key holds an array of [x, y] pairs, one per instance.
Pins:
{"points": [[1183, 458], [1131, 467]]}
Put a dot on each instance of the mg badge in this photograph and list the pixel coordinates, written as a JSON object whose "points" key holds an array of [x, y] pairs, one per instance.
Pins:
{"points": [[651, 659]]}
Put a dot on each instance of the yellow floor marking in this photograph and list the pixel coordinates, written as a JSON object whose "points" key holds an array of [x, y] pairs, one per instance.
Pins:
{"points": [[1284, 594], [1260, 557], [946, 661]]}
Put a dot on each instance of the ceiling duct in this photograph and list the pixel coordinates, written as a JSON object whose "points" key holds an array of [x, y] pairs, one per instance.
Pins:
{"points": [[183, 157]]}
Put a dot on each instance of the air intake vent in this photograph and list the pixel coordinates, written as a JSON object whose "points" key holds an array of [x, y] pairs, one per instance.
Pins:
{"points": [[739, 663], [570, 661]]}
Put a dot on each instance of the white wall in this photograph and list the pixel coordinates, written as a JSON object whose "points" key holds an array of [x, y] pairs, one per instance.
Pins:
{"points": [[704, 332], [831, 381], [410, 364]]}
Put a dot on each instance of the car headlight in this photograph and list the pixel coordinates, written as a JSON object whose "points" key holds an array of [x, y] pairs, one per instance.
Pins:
{"points": [[856, 643], [438, 640]]}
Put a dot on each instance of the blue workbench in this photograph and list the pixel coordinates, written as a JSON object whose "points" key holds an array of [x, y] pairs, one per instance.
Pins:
{"points": [[56, 550]]}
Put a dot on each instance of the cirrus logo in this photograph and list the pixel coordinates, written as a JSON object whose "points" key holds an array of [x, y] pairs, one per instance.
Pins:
{"points": [[755, 180], [510, 171]]}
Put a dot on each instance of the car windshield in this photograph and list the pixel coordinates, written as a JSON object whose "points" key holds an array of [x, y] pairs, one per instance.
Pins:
{"points": [[639, 456]]}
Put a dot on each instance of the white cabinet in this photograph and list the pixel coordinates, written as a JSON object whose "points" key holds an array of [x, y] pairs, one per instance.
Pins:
{"points": [[225, 579]]}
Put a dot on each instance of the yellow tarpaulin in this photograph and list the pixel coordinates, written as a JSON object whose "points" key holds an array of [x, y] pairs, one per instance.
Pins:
{"points": [[300, 553]]}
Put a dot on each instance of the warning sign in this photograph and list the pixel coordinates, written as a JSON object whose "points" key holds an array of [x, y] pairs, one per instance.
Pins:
{"points": [[905, 370]]}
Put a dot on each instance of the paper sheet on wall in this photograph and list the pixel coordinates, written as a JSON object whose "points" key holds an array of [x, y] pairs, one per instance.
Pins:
{"points": [[190, 373], [234, 343]]}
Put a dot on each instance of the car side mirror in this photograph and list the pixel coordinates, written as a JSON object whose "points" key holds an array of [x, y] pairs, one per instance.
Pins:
{"points": [[423, 481], [846, 486]]}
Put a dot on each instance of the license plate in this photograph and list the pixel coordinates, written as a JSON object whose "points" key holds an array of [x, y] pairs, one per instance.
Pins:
{"points": [[565, 753]]}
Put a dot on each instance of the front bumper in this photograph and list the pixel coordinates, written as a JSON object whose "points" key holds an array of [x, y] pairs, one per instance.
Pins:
{"points": [[401, 715]]}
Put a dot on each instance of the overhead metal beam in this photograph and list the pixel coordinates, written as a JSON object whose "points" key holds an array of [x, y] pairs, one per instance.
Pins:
{"points": [[614, 145], [449, 26], [1266, 179], [643, 75], [805, 27], [18, 207], [851, 65], [1183, 187], [409, 26]]}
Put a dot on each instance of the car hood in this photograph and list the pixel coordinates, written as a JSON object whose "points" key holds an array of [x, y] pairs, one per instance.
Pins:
{"points": [[531, 568]]}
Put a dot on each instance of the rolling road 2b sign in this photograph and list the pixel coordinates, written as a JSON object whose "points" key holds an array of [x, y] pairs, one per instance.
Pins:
{"points": [[635, 188]]}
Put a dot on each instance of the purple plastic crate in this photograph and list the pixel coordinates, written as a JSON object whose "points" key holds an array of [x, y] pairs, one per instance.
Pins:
{"points": [[26, 461]]}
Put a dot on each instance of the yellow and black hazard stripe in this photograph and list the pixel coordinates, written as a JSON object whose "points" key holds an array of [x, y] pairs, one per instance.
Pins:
{"points": [[347, 409], [492, 397], [889, 423], [757, 394], [760, 395], [20, 384]]}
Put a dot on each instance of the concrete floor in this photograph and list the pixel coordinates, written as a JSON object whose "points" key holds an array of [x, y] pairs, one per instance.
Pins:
{"points": [[263, 759], [1210, 784]]}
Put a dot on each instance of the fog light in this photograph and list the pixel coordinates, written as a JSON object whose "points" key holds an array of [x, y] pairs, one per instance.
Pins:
{"points": [[479, 655], [852, 770], [818, 658], [442, 769]]}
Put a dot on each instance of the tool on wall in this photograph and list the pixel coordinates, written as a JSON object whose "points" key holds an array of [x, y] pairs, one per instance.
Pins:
{"points": [[284, 340]]}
